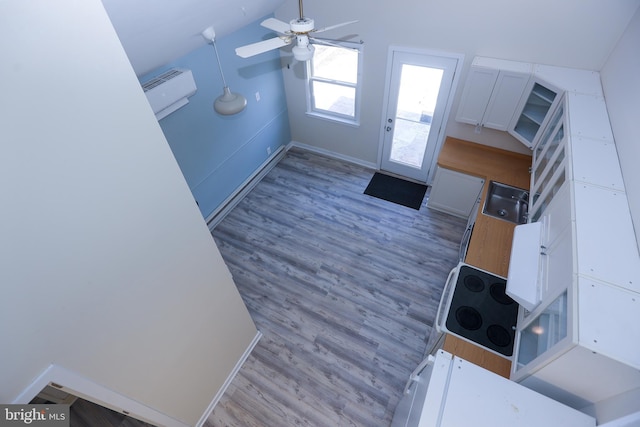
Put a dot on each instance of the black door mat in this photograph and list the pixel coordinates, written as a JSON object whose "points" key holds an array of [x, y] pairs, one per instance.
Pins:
{"points": [[396, 190]]}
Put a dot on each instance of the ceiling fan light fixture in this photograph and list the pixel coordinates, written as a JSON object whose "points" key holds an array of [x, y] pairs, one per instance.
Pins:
{"points": [[303, 52], [229, 103]]}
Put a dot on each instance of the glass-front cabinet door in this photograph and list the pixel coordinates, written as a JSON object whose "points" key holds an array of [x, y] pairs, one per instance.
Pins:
{"points": [[549, 163], [543, 332], [551, 137], [534, 112]]}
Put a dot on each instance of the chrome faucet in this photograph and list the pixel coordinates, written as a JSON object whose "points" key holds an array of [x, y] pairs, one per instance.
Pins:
{"points": [[522, 199]]}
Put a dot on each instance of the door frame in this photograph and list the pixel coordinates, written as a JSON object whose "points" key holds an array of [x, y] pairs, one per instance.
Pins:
{"points": [[459, 57], [76, 384]]}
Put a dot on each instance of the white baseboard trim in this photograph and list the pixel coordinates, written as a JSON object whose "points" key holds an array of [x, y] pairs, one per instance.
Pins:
{"points": [[230, 202], [230, 378], [77, 385], [236, 197], [333, 154]]}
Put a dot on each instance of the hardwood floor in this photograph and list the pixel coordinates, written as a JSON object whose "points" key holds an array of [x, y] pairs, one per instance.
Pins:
{"points": [[87, 414], [344, 288]]}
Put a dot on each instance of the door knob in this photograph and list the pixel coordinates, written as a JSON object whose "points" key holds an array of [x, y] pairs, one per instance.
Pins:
{"points": [[390, 120], [388, 128]]}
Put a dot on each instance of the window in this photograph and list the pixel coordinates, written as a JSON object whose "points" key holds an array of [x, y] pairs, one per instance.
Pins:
{"points": [[334, 82]]}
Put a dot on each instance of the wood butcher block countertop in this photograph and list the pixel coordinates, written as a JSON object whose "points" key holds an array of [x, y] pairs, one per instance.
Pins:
{"points": [[490, 245]]}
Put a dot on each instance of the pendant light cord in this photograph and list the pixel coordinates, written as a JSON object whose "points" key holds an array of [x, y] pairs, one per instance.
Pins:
{"points": [[215, 48], [229, 102]]}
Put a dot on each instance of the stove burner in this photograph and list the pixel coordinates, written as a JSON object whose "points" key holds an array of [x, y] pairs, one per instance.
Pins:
{"points": [[498, 335], [497, 291], [474, 283], [469, 318]]}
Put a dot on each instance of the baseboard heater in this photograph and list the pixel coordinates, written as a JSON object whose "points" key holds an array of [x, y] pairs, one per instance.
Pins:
{"points": [[169, 91]]}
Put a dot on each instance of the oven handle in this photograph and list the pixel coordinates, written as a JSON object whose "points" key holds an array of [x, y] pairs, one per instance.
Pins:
{"points": [[464, 244], [444, 296]]}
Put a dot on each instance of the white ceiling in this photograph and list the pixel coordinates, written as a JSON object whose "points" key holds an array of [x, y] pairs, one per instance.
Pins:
{"points": [[155, 32]]}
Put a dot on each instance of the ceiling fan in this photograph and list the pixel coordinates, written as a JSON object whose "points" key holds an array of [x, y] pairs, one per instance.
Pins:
{"points": [[297, 29]]}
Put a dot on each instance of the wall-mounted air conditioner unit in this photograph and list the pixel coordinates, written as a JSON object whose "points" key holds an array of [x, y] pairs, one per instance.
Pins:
{"points": [[169, 91]]}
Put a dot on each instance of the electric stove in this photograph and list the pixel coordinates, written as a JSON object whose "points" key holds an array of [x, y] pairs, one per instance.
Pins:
{"points": [[480, 311]]}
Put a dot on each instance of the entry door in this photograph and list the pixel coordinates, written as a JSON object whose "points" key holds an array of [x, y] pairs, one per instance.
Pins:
{"points": [[419, 89]]}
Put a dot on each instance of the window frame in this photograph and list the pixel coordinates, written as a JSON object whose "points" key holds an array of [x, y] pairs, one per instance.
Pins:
{"points": [[313, 111]]}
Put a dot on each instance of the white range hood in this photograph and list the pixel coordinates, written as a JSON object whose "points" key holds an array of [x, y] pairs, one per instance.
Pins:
{"points": [[523, 283]]}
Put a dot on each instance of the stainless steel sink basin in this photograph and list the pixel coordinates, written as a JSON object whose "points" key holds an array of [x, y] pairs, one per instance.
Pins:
{"points": [[506, 202]]}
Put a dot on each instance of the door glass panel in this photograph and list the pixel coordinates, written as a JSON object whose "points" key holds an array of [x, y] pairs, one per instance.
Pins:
{"points": [[546, 330], [418, 95], [419, 86]]}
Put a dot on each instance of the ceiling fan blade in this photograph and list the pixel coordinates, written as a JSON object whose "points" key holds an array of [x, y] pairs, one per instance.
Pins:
{"points": [[328, 43], [331, 27], [276, 25], [261, 47]]}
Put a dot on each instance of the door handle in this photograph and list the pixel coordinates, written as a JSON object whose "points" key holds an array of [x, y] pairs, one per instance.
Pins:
{"points": [[388, 128]]}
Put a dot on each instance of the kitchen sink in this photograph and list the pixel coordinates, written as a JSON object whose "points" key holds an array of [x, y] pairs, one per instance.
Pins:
{"points": [[507, 202]]}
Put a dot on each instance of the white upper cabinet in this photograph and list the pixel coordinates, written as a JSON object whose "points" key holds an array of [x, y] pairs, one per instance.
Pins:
{"points": [[569, 343], [532, 115], [492, 92]]}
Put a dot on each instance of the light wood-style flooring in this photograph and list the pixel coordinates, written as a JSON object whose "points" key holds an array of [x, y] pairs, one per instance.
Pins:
{"points": [[344, 288]]}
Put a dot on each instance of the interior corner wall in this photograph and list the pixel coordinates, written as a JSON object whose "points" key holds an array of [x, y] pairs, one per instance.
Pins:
{"points": [[107, 268], [571, 33], [218, 153], [621, 85]]}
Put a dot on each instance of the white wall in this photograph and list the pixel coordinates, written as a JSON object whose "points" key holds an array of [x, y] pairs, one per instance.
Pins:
{"points": [[106, 266], [621, 84], [573, 33]]}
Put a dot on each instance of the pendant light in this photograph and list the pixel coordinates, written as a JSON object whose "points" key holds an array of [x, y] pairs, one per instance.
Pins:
{"points": [[229, 102]]}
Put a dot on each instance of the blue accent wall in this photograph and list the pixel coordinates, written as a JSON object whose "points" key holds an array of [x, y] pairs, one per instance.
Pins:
{"points": [[218, 153]]}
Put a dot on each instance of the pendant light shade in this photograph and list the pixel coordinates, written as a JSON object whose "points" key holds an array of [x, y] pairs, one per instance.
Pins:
{"points": [[228, 103]]}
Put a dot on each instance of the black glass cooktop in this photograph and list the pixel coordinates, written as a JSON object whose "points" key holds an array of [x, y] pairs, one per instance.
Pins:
{"points": [[481, 311]]}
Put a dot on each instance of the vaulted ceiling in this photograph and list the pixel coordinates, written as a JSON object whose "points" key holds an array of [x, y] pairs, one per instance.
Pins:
{"points": [[154, 32]]}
